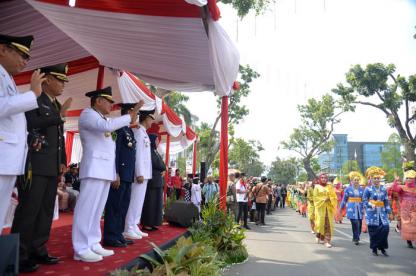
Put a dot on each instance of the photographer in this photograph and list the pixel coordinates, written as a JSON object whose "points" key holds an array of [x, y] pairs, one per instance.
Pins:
{"points": [[45, 161]]}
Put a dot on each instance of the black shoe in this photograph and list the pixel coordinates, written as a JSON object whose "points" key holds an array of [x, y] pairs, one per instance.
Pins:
{"points": [[375, 253], [28, 266], [154, 228], [46, 259], [247, 227], [127, 242], [148, 228], [356, 242], [263, 224], [384, 253], [409, 244], [114, 244]]}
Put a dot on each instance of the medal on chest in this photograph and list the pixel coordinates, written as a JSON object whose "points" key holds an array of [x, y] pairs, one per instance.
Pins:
{"points": [[107, 134]]}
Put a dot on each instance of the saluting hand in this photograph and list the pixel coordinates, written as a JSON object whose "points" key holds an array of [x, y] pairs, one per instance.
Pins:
{"points": [[65, 106], [36, 82], [135, 110]]}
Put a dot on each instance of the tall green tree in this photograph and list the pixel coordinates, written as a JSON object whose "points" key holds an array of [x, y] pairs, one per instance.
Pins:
{"points": [[391, 158], [236, 113], [177, 102], [243, 7], [347, 167], [313, 136], [284, 171], [379, 87], [244, 155]]}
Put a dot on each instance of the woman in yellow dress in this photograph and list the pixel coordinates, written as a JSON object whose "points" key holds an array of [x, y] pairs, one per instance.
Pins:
{"points": [[325, 201], [311, 207]]}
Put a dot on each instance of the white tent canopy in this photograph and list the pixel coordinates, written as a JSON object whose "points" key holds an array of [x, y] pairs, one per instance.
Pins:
{"points": [[165, 42]]}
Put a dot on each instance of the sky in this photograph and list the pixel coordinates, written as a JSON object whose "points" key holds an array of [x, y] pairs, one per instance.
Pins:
{"points": [[302, 49]]}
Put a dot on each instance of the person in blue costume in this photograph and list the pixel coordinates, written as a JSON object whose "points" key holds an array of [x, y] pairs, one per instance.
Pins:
{"points": [[353, 201], [377, 206]]}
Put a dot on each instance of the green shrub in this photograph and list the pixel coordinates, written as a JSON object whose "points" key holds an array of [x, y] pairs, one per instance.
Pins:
{"points": [[185, 258], [218, 229]]}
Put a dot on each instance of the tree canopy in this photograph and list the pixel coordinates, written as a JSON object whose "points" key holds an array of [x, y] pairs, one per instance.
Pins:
{"points": [[313, 136], [378, 86], [391, 158], [243, 7], [244, 155]]}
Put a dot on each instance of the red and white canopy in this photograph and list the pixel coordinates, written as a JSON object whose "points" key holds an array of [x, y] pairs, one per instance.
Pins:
{"points": [[166, 42]]}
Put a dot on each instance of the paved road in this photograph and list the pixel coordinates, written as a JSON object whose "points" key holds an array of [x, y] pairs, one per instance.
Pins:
{"points": [[285, 246]]}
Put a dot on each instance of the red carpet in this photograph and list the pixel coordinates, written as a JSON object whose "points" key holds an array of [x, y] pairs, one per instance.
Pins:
{"points": [[60, 245]]}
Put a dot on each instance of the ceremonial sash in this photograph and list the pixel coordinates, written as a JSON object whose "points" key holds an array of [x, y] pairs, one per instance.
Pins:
{"points": [[354, 199], [377, 203]]}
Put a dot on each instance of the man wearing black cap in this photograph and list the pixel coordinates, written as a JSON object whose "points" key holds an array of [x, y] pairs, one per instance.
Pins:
{"points": [[143, 172], [14, 56], [46, 160], [119, 195], [97, 171]]}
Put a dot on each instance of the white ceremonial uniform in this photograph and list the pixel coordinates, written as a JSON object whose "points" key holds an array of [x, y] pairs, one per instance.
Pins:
{"points": [[143, 168], [13, 136], [97, 171]]}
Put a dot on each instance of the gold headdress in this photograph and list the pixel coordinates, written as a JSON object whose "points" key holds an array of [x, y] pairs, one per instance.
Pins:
{"points": [[374, 172], [410, 174]]}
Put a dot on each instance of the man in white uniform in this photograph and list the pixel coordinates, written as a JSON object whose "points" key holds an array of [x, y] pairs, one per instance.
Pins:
{"points": [[97, 171], [14, 56], [143, 174]]}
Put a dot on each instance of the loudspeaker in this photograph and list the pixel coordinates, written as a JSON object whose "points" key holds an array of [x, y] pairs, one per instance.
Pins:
{"points": [[203, 173], [181, 213], [9, 257]]}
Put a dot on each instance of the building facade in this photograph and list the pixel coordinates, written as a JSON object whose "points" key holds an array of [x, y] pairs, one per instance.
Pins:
{"points": [[366, 154]]}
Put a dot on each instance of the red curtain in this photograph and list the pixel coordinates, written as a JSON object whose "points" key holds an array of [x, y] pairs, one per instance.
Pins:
{"points": [[224, 152], [68, 146], [173, 8]]}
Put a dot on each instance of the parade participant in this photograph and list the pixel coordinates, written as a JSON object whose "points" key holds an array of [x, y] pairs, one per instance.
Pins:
{"points": [[311, 206], [377, 209], [352, 200], [14, 56], [143, 172], [394, 202], [120, 190], [363, 185], [37, 193], [407, 195], [97, 171], [153, 202], [325, 201], [242, 201], [340, 194], [303, 200]]}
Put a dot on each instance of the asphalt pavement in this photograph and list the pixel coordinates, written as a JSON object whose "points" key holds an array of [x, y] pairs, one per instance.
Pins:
{"points": [[285, 246]]}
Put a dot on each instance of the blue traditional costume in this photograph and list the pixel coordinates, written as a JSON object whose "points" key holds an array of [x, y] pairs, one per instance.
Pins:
{"points": [[377, 208], [353, 200]]}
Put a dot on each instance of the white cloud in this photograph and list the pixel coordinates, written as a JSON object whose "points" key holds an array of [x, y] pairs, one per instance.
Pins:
{"points": [[303, 51]]}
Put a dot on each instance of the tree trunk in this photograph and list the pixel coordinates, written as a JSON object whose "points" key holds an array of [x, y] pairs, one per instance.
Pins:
{"points": [[409, 150], [307, 165]]}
